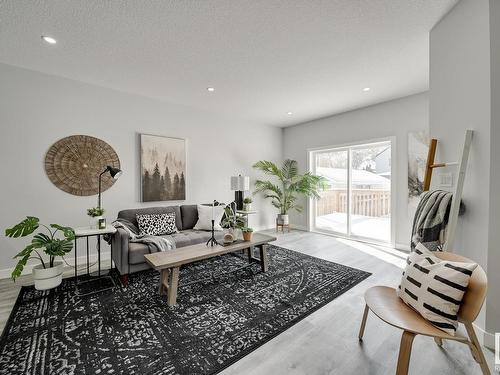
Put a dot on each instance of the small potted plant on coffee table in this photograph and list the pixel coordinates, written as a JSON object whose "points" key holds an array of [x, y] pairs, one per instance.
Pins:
{"points": [[247, 233], [47, 274], [247, 204], [96, 214]]}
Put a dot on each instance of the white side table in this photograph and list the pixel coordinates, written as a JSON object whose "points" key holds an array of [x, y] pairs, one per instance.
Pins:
{"points": [[245, 214]]}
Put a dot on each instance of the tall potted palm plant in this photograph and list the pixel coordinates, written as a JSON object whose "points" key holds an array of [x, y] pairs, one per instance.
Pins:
{"points": [[291, 184]]}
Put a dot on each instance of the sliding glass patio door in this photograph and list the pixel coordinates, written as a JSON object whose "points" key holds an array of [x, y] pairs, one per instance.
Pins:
{"points": [[357, 202], [332, 212]]}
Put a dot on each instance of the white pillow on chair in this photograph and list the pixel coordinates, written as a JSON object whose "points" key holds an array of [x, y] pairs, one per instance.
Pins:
{"points": [[435, 287], [205, 217]]}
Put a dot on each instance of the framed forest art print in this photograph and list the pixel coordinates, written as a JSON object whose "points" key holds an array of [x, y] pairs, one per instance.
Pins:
{"points": [[163, 168]]}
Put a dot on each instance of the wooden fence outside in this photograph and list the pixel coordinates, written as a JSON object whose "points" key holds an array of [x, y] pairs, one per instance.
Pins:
{"points": [[365, 202]]}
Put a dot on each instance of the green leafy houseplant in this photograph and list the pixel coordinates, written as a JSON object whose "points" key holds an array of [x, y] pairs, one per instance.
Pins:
{"points": [[230, 220], [48, 242], [95, 211], [247, 200], [291, 184], [247, 230]]}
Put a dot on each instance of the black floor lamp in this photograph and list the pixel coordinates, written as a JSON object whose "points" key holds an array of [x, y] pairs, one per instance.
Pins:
{"points": [[115, 173]]}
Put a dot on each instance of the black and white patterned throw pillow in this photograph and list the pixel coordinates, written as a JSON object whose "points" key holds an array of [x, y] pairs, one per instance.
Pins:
{"points": [[435, 287], [156, 224]]}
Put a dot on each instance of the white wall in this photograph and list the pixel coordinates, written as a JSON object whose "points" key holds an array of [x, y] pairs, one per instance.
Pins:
{"points": [[493, 304], [394, 118], [37, 109], [460, 98]]}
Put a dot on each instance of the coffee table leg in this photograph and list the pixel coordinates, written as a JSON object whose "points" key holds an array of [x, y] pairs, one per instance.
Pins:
{"points": [[172, 286], [263, 258], [164, 280], [250, 254]]}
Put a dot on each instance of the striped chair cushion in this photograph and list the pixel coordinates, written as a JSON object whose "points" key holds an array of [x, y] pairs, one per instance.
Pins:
{"points": [[435, 287]]}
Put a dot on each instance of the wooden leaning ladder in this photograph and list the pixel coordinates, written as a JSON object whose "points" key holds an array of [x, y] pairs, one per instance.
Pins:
{"points": [[459, 186]]}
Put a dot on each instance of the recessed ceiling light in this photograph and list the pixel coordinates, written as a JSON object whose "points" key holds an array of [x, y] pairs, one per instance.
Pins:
{"points": [[210, 89], [289, 113], [366, 89], [49, 39]]}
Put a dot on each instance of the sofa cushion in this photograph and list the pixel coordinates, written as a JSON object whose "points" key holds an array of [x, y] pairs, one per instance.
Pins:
{"points": [[157, 224], [193, 237], [182, 239], [136, 252], [130, 214], [189, 214], [435, 287], [207, 214]]}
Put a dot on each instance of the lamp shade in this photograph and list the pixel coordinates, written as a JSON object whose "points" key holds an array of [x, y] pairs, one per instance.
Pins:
{"points": [[240, 183], [114, 172]]}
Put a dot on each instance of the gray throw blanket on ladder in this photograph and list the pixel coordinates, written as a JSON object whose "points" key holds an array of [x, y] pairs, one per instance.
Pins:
{"points": [[431, 218]]}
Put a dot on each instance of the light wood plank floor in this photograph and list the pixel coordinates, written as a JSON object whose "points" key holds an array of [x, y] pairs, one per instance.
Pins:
{"points": [[326, 341]]}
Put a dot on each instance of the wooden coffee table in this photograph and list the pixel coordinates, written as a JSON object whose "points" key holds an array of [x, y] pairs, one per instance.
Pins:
{"points": [[169, 262]]}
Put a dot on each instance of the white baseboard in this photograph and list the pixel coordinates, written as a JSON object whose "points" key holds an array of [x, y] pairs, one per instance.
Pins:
{"points": [[81, 261], [485, 338], [299, 227], [402, 246], [261, 228]]}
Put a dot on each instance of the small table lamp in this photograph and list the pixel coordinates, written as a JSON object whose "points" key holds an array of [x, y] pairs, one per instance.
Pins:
{"points": [[239, 184]]}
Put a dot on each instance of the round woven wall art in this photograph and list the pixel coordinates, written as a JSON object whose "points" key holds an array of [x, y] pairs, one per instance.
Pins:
{"points": [[74, 163]]}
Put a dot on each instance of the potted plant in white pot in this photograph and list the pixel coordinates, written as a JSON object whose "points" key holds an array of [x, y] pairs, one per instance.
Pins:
{"points": [[47, 274], [290, 186], [96, 214], [247, 204]]}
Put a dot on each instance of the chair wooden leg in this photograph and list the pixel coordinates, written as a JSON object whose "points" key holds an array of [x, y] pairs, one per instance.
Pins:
{"points": [[479, 356], [404, 353], [438, 341], [363, 324]]}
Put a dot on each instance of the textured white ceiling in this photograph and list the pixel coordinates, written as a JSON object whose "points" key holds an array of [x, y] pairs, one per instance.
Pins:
{"points": [[264, 57]]}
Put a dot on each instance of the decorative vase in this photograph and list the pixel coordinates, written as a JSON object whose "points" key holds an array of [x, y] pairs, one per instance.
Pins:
{"points": [[247, 236], [247, 207], [94, 222], [48, 278], [229, 236], [283, 219]]}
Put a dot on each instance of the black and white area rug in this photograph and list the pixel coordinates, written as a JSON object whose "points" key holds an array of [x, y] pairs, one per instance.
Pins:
{"points": [[225, 309]]}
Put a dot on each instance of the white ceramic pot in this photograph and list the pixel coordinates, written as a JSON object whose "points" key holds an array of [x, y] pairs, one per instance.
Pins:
{"points": [[94, 222], [48, 278], [283, 219], [247, 206]]}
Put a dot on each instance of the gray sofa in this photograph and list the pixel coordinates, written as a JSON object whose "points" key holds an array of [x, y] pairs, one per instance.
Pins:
{"points": [[129, 257]]}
